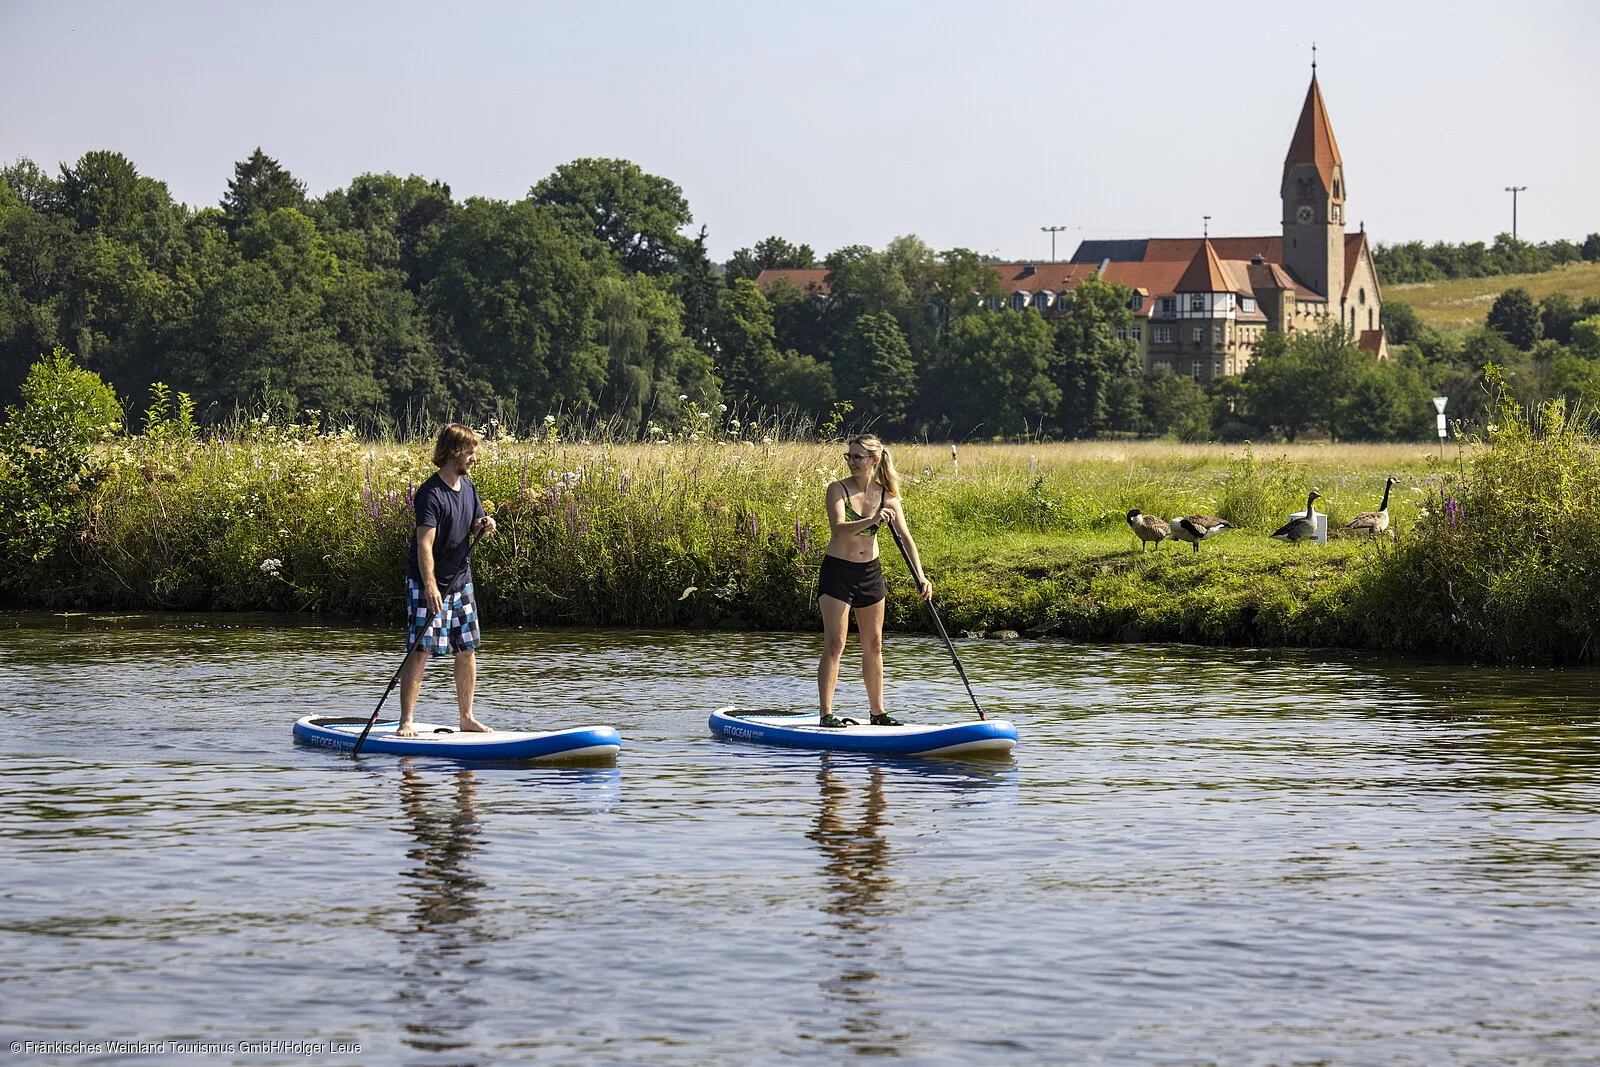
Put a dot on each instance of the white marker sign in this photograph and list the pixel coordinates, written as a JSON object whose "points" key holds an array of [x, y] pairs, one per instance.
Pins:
{"points": [[1438, 404]]}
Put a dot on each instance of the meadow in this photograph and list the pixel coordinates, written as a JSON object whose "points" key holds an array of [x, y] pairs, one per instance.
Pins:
{"points": [[1462, 303]]}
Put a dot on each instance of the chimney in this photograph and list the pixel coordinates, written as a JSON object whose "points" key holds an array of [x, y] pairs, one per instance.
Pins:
{"points": [[1258, 259]]}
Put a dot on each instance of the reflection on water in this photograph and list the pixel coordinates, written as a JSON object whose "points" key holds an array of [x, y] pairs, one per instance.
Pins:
{"points": [[1196, 856], [443, 934], [849, 831]]}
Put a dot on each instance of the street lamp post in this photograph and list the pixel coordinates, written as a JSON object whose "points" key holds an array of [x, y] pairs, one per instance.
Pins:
{"points": [[1052, 231], [1514, 190]]}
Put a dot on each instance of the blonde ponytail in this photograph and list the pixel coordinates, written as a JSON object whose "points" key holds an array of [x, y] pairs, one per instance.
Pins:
{"points": [[885, 475]]}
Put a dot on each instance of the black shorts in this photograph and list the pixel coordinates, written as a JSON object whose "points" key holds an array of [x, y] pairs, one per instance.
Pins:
{"points": [[858, 584]]}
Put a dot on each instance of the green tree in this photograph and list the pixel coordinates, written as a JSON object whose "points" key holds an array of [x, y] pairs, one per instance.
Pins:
{"points": [[1300, 383], [770, 253], [1591, 248], [514, 300], [636, 216], [260, 186], [996, 376], [48, 464], [1557, 313], [1586, 337], [877, 373], [1096, 371], [1516, 317], [1175, 404], [1400, 322], [1386, 402]]}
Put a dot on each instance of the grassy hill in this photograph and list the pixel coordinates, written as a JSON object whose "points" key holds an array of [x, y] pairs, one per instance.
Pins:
{"points": [[1465, 302]]}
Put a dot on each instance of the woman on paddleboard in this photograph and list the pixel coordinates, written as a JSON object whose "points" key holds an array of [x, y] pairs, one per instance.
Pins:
{"points": [[852, 575]]}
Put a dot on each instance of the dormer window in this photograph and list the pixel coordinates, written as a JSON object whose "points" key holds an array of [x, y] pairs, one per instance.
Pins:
{"points": [[1136, 301], [1169, 305], [1043, 299], [1197, 302], [1019, 300], [1249, 303]]}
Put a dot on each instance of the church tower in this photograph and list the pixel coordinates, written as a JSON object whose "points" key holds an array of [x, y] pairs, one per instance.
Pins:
{"points": [[1313, 202]]}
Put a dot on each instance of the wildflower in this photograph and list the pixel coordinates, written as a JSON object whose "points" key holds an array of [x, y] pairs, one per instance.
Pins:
{"points": [[549, 420], [722, 407], [734, 423], [682, 397], [766, 440], [271, 566], [694, 437]]}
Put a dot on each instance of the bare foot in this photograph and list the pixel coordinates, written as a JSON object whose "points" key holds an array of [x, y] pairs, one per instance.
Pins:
{"points": [[405, 730], [470, 725]]}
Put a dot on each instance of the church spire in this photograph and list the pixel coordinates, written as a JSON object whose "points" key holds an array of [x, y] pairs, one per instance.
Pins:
{"points": [[1313, 141]]}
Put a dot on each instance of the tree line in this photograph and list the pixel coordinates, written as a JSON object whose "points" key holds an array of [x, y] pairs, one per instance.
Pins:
{"points": [[1414, 261], [391, 303]]}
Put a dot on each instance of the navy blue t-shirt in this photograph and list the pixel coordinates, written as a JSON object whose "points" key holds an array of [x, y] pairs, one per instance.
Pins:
{"points": [[451, 512]]}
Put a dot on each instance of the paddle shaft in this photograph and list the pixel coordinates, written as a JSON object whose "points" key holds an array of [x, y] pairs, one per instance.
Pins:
{"points": [[472, 542], [933, 612]]}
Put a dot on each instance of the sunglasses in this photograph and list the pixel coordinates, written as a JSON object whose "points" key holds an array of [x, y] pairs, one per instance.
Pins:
{"points": [[852, 457]]}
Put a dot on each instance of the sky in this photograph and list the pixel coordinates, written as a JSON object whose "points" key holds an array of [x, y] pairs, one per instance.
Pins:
{"points": [[835, 123]]}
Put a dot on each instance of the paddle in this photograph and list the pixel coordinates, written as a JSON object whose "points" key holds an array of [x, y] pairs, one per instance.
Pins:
{"points": [[472, 542], [938, 624]]}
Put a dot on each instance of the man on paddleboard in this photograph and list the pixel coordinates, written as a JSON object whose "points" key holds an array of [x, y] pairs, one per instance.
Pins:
{"points": [[441, 614]]}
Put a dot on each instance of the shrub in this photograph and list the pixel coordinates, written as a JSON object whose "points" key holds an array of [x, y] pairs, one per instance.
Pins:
{"points": [[49, 463]]}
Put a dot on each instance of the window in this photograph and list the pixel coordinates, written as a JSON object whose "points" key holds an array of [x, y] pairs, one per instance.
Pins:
{"points": [[1136, 301], [1138, 332], [1122, 333], [1216, 333], [1249, 305], [1019, 300], [1043, 299], [1199, 334], [1161, 335], [1194, 369], [1197, 302], [1169, 305], [1361, 295]]}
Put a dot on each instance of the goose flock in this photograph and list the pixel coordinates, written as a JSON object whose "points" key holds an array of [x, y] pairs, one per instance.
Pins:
{"points": [[1301, 526]]}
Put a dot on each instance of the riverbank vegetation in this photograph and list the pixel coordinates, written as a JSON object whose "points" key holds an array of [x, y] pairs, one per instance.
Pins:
{"points": [[714, 523]]}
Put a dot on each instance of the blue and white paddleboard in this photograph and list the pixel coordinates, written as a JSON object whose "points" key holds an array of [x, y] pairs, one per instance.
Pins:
{"points": [[984, 737], [341, 733]]}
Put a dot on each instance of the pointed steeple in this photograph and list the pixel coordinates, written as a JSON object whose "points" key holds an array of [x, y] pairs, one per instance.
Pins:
{"points": [[1313, 141], [1204, 273]]}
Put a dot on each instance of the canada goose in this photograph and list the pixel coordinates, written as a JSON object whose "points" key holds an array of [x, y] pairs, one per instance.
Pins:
{"points": [[1148, 528], [1374, 522], [1302, 527], [1196, 528]]}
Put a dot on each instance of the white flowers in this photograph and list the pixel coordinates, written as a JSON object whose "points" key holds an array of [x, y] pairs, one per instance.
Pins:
{"points": [[724, 407], [549, 420], [682, 397], [271, 566], [734, 423]]}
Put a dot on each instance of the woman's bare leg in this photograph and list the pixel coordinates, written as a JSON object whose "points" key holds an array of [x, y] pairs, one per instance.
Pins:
{"points": [[869, 621], [835, 625]]}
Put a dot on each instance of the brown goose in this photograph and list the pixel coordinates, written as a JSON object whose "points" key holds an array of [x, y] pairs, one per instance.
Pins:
{"points": [[1303, 527], [1148, 528], [1374, 522], [1196, 528]]}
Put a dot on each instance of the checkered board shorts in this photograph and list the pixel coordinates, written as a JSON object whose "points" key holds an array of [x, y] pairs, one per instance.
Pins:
{"points": [[455, 629]]}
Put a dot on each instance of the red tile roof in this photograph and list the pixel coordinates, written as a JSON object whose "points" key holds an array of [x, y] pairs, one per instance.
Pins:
{"points": [[1205, 274], [1313, 139], [805, 280], [1184, 248]]}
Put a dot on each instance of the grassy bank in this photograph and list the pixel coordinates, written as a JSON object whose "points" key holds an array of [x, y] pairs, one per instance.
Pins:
{"points": [[1492, 554], [1465, 302]]}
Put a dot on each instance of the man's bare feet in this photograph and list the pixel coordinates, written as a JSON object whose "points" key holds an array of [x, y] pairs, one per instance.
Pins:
{"points": [[470, 725]]}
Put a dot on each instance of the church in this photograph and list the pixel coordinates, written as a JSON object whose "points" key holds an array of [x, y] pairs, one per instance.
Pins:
{"points": [[1201, 304]]}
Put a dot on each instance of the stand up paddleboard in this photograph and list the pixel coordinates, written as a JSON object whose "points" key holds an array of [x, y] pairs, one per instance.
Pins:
{"points": [[987, 737], [340, 733]]}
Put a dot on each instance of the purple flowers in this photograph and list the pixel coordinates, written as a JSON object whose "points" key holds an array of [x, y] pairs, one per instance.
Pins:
{"points": [[1452, 508]]}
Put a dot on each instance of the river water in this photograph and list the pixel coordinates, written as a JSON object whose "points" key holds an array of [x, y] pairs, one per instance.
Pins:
{"points": [[1195, 856]]}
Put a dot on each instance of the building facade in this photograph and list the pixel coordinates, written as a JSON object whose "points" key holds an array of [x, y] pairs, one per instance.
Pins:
{"points": [[1202, 304]]}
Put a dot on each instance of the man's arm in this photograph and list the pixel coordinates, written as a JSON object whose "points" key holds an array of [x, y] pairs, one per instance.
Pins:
{"points": [[430, 585]]}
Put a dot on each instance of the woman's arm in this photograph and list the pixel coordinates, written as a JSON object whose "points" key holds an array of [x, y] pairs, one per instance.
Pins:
{"points": [[894, 511]]}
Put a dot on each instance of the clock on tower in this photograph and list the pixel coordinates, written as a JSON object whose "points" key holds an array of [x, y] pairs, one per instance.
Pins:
{"points": [[1305, 215]]}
